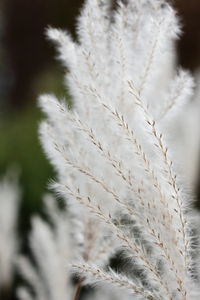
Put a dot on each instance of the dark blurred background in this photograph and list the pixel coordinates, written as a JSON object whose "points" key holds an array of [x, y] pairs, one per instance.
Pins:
{"points": [[28, 68]]}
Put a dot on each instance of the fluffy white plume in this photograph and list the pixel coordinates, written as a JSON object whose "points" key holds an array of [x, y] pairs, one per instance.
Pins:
{"points": [[113, 155]]}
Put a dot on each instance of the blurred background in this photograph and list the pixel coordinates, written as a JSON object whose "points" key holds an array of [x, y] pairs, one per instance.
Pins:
{"points": [[28, 68]]}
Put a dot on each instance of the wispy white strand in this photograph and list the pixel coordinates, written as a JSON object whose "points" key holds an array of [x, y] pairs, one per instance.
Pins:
{"points": [[180, 93], [96, 275]]}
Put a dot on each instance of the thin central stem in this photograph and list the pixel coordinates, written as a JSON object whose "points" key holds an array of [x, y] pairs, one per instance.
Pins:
{"points": [[78, 288]]}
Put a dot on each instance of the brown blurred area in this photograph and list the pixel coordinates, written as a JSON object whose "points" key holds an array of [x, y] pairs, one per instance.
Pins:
{"points": [[189, 44]]}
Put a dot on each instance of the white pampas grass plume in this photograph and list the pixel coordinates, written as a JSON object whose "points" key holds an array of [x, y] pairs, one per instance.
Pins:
{"points": [[116, 166]]}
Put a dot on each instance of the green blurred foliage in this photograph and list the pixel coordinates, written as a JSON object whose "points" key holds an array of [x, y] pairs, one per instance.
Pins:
{"points": [[21, 148]]}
